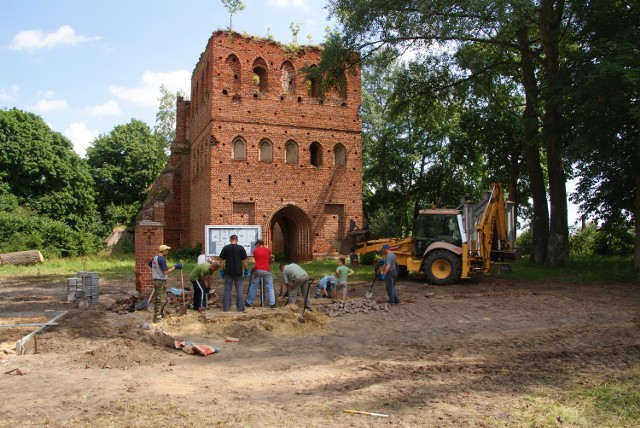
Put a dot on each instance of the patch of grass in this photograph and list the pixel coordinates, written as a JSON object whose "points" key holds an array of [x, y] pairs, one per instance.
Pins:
{"points": [[122, 266], [610, 400], [319, 268], [579, 269], [119, 266]]}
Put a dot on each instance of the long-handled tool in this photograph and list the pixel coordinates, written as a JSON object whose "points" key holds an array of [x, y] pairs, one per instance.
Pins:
{"points": [[369, 293], [301, 317], [183, 308]]}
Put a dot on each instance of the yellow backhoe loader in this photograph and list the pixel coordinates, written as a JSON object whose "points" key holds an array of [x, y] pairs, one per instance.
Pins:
{"points": [[449, 244]]}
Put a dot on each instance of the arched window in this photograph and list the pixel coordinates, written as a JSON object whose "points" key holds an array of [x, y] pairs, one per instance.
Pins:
{"points": [[315, 150], [313, 85], [291, 152], [266, 151], [339, 155], [288, 78], [239, 149], [234, 73], [260, 75]]}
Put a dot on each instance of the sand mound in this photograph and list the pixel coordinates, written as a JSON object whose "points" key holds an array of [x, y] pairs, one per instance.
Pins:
{"points": [[120, 353], [253, 324]]}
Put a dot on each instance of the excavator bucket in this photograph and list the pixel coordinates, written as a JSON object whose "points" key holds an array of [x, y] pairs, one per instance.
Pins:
{"points": [[343, 246]]}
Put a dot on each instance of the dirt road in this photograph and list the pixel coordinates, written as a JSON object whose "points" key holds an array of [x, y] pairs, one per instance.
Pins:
{"points": [[465, 355]]}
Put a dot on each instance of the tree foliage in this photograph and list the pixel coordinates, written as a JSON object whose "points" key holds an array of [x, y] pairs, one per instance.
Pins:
{"points": [[123, 164], [417, 152], [604, 82], [47, 200], [521, 42], [166, 116], [39, 168], [606, 95], [233, 6]]}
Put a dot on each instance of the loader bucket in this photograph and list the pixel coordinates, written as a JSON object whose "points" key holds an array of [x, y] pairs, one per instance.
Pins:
{"points": [[343, 246]]}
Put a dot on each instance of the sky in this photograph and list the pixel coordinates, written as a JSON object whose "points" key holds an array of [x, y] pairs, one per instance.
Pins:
{"points": [[86, 66]]}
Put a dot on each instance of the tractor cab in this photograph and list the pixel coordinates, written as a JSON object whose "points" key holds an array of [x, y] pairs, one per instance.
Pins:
{"points": [[437, 225]]}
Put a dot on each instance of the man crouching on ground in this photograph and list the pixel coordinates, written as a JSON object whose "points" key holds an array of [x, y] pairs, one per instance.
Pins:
{"points": [[201, 281], [295, 278]]}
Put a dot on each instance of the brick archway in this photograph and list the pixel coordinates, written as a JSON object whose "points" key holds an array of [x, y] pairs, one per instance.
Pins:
{"points": [[290, 230]]}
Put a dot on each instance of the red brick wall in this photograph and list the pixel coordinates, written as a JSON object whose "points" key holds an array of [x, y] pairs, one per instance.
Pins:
{"points": [[209, 186], [149, 236]]}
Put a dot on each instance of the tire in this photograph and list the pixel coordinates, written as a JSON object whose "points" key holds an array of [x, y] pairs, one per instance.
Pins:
{"points": [[442, 267]]}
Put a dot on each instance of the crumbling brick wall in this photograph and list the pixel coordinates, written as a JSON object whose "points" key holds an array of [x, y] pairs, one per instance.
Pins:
{"points": [[258, 144]]}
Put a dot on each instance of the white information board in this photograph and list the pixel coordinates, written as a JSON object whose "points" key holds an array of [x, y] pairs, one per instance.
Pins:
{"points": [[217, 236]]}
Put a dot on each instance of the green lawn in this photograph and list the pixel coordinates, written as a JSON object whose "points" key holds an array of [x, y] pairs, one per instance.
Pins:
{"points": [[121, 266]]}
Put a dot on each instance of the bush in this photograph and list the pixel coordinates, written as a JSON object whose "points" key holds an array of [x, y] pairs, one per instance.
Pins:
{"points": [[368, 258], [384, 223], [186, 254], [23, 230], [582, 241], [279, 257], [614, 241], [606, 241], [524, 242]]}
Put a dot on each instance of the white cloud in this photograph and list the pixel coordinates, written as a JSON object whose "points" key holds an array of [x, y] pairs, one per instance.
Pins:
{"points": [[37, 39], [149, 93], [48, 94], [282, 4], [81, 137], [8, 94], [47, 106], [110, 108]]}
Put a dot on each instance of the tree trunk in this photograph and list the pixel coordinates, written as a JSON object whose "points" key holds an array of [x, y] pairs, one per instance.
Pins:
{"points": [[540, 221], [21, 258], [550, 25]]}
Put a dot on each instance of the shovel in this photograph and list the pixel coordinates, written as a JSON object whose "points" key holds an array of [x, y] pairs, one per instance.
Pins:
{"points": [[182, 310], [369, 293], [301, 319]]}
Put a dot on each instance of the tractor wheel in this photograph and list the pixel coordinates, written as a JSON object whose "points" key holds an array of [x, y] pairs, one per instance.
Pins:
{"points": [[442, 267]]}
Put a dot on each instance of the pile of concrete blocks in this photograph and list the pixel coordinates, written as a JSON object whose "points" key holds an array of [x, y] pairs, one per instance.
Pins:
{"points": [[353, 307], [84, 287]]}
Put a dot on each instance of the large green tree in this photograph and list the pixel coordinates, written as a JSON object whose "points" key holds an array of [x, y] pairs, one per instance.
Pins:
{"points": [[526, 35], [605, 90], [40, 168], [123, 164], [410, 160]]}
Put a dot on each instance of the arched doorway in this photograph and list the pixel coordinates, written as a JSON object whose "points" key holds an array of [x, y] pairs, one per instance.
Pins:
{"points": [[290, 230]]}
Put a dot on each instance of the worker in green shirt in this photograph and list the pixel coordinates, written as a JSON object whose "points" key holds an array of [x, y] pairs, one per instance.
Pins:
{"points": [[201, 280]]}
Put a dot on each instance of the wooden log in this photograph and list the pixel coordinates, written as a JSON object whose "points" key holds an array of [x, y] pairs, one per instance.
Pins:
{"points": [[21, 258]]}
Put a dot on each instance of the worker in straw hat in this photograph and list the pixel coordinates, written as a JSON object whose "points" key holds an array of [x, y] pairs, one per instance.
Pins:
{"points": [[159, 271]]}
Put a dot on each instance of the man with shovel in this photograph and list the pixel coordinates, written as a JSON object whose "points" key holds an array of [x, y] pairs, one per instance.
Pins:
{"points": [[295, 278], [389, 274], [159, 271], [201, 281]]}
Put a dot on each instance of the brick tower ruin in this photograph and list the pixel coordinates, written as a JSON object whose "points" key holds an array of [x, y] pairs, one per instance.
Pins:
{"points": [[257, 145]]}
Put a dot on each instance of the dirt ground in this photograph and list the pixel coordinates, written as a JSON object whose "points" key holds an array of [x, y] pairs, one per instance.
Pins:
{"points": [[464, 355]]}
